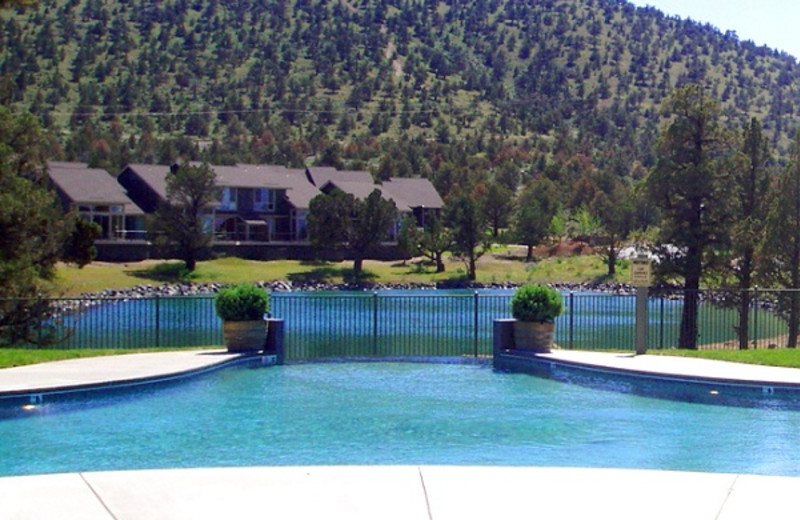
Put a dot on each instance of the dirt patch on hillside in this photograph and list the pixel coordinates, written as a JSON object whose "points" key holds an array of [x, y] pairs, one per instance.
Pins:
{"points": [[564, 248], [561, 249]]}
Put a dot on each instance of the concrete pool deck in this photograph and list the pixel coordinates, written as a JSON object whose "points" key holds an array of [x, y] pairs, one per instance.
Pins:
{"points": [[407, 492]]}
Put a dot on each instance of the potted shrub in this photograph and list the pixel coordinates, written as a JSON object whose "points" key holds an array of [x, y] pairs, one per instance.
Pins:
{"points": [[535, 308], [242, 309]]}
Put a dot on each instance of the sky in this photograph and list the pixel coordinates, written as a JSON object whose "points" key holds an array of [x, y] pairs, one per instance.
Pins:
{"points": [[774, 23]]}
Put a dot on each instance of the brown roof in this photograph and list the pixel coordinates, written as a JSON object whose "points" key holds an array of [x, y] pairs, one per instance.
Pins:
{"points": [[89, 186]]}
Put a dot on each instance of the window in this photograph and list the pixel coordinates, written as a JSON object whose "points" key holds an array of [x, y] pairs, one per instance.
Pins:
{"points": [[228, 199], [264, 200]]}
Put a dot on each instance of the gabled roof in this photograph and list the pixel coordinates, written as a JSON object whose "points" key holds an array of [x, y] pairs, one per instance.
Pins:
{"points": [[89, 186], [300, 190], [251, 176], [153, 175], [321, 175], [416, 192], [362, 190]]}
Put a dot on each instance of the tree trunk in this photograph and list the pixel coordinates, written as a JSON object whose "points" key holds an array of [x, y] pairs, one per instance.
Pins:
{"points": [[691, 296], [529, 256], [612, 259], [472, 268], [439, 263], [794, 301], [742, 330], [793, 321], [358, 263]]}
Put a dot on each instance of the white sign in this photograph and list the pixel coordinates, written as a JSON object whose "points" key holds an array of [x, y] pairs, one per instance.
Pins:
{"points": [[641, 272]]}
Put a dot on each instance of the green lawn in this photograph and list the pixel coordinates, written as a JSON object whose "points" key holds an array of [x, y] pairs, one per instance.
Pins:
{"points": [[779, 357], [503, 264], [11, 357]]}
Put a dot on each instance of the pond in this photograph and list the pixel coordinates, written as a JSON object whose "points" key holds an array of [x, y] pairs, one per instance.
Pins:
{"points": [[399, 323]]}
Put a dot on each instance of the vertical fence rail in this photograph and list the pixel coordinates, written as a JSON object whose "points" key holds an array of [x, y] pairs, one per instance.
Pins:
{"points": [[397, 324]]}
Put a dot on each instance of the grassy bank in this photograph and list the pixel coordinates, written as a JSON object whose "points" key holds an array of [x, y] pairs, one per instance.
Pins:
{"points": [[777, 358], [501, 265], [790, 358]]}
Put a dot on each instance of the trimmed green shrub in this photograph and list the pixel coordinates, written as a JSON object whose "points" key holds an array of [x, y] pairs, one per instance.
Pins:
{"points": [[536, 303], [242, 302]]}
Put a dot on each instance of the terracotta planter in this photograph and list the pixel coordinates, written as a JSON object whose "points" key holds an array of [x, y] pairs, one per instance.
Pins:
{"points": [[533, 336], [244, 336]]}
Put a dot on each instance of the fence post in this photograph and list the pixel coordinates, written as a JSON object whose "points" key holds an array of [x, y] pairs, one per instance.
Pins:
{"points": [[571, 320], [661, 325], [374, 323], [158, 319], [641, 320], [755, 317], [475, 324]]}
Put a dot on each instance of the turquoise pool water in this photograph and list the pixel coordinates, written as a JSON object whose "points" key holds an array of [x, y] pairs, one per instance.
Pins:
{"points": [[394, 413]]}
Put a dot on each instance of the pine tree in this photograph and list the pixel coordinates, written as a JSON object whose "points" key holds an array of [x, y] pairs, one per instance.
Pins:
{"points": [[181, 223], [691, 186]]}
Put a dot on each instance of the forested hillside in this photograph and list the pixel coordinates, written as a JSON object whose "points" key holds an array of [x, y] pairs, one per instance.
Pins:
{"points": [[460, 91]]}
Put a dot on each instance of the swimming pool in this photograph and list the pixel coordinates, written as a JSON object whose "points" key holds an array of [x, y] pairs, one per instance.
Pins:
{"points": [[394, 413]]}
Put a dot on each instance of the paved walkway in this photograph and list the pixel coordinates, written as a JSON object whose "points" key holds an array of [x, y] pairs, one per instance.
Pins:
{"points": [[403, 492], [681, 367], [400, 492], [105, 370]]}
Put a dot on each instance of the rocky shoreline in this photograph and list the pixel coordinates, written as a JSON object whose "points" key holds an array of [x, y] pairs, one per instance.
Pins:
{"points": [[279, 286]]}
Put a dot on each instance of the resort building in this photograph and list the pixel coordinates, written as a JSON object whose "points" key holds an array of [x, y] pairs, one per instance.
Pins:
{"points": [[99, 198], [261, 211]]}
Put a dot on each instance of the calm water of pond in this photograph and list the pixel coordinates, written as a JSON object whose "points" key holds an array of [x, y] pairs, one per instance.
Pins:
{"points": [[397, 323]]}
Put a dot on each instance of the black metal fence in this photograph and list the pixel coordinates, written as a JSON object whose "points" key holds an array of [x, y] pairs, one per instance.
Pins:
{"points": [[398, 324]]}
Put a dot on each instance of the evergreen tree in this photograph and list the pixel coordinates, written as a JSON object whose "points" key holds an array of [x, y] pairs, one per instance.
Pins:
{"points": [[33, 227], [468, 227], [497, 205], [79, 247], [339, 220], [782, 244], [436, 239], [751, 184], [182, 223], [614, 207], [372, 220], [690, 184], [535, 208], [409, 238]]}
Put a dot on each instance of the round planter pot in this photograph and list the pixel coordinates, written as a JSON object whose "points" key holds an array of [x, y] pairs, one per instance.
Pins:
{"points": [[244, 336], [533, 336]]}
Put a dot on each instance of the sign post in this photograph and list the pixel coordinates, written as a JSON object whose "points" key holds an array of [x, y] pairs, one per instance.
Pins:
{"points": [[641, 276]]}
